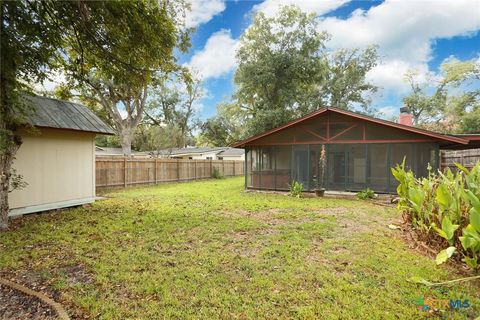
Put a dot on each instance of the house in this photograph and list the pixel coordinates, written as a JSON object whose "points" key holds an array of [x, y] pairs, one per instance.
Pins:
{"points": [[115, 152], [219, 153], [57, 157], [359, 152]]}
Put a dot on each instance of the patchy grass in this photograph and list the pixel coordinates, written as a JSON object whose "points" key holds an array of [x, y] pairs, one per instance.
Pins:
{"points": [[209, 250]]}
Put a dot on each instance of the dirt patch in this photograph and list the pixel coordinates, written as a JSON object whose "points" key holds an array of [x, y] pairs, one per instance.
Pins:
{"points": [[17, 305], [271, 217], [77, 274]]}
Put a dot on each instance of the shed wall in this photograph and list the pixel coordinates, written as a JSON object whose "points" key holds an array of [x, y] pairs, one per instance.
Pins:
{"points": [[59, 167]]}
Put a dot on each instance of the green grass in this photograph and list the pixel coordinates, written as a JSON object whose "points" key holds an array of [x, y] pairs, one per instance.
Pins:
{"points": [[209, 250]]}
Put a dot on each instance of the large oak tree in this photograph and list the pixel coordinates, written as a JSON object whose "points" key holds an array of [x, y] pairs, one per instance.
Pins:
{"points": [[110, 51]]}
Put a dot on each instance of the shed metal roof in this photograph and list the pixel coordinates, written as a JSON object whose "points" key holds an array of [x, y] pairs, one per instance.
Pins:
{"points": [[53, 113]]}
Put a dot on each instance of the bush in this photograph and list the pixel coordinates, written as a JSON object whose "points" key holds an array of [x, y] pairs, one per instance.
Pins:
{"points": [[444, 208], [296, 189], [216, 174], [366, 194]]}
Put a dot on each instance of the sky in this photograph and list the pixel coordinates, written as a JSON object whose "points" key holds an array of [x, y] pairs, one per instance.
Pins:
{"points": [[410, 35]]}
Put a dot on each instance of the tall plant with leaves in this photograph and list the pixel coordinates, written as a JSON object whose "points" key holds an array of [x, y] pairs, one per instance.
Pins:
{"points": [[444, 206]]}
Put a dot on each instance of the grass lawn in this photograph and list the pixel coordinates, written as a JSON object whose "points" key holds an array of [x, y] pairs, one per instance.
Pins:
{"points": [[209, 250]]}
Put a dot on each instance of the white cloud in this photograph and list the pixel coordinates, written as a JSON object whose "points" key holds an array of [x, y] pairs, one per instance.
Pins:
{"points": [[203, 11], [217, 58], [404, 32], [390, 75], [271, 7], [388, 112]]}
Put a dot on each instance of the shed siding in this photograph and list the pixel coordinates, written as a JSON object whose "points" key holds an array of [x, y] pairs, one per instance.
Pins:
{"points": [[59, 167]]}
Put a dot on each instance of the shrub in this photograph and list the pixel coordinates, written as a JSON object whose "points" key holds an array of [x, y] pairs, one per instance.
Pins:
{"points": [[366, 194], [216, 174], [296, 189], [444, 208]]}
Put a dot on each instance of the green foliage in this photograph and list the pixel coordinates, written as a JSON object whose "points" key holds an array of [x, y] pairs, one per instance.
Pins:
{"points": [[446, 108], [172, 110], [296, 189], [444, 205], [366, 194], [226, 127], [285, 72], [216, 174]]}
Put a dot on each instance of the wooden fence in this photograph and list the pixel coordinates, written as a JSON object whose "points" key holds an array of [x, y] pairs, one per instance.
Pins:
{"points": [[467, 158], [122, 172]]}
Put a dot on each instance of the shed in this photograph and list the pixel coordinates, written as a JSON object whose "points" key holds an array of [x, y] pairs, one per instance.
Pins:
{"points": [[57, 158], [359, 152]]}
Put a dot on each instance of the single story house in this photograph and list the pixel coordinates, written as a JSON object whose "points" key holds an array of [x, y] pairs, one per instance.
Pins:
{"points": [[358, 150], [57, 157], [218, 153], [114, 152]]}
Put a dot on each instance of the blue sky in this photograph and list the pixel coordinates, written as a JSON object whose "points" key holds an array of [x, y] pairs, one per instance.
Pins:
{"points": [[416, 35]]}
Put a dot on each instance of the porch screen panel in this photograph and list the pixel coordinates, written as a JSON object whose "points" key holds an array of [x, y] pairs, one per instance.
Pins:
{"points": [[316, 167], [267, 169], [357, 166], [255, 168], [336, 169], [377, 167], [425, 155], [398, 152], [248, 165], [300, 166], [283, 156]]}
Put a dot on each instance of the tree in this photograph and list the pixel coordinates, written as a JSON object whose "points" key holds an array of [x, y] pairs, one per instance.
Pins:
{"points": [[27, 47], [285, 72], [174, 105], [155, 138], [226, 127], [448, 102], [279, 60], [139, 39], [99, 43]]}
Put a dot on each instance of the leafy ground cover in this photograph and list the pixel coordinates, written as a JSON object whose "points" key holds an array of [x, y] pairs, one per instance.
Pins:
{"points": [[210, 250]]}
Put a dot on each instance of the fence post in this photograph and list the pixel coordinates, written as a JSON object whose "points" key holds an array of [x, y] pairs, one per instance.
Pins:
{"points": [[155, 170], [195, 170], [234, 164], [211, 167], [125, 172], [178, 170], [223, 166]]}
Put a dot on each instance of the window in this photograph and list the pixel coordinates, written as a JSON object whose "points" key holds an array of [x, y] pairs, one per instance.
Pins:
{"points": [[220, 158], [209, 158]]}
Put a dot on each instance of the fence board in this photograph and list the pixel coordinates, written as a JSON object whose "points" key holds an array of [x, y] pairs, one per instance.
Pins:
{"points": [[123, 172], [467, 158]]}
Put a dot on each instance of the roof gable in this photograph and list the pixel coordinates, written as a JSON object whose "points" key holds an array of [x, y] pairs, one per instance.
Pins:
{"points": [[332, 125]]}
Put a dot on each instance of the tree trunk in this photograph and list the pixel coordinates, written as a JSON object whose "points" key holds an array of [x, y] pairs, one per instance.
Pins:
{"points": [[126, 141], [6, 168]]}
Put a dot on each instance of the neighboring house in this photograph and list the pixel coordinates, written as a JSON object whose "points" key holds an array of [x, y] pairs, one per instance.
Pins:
{"points": [[219, 153], [108, 151], [359, 152], [57, 158]]}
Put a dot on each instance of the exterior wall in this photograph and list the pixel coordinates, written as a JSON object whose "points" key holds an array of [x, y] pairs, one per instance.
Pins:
{"points": [[350, 167], [197, 156], [59, 167], [239, 157]]}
